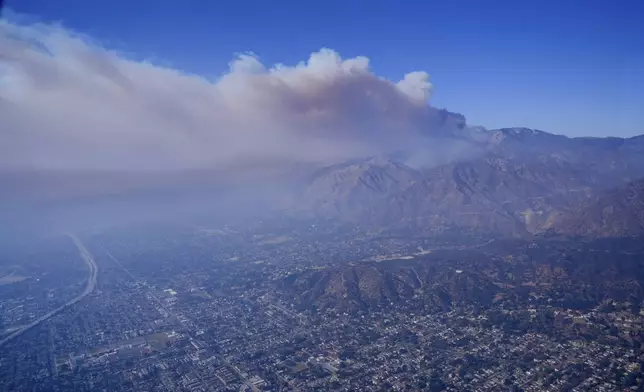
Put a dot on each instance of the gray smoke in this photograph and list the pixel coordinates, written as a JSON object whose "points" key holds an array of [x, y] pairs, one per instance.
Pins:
{"points": [[66, 102]]}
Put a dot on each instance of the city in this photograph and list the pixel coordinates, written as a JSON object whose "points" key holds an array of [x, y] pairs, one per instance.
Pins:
{"points": [[178, 311]]}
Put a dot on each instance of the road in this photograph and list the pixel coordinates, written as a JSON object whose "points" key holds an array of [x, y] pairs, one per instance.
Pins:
{"points": [[89, 287]]}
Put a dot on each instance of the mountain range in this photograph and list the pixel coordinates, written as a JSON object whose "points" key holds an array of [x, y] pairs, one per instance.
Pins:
{"points": [[513, 181]]}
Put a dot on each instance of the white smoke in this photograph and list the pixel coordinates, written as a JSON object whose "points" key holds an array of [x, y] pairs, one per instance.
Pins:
{"points": [[68, 103]]}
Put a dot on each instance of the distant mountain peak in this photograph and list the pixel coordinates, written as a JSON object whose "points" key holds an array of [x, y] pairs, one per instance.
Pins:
{"points": [[522, 131], [343, 188]]}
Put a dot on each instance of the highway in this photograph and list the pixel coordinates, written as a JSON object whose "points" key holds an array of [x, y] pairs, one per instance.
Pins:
{"points": [[89, 287]]}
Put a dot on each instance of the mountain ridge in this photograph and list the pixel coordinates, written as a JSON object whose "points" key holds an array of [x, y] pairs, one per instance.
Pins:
{"points": [[519, 184]]}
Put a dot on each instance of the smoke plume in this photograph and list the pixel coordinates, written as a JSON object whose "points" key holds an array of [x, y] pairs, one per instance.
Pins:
{"points": [[66, 102]]}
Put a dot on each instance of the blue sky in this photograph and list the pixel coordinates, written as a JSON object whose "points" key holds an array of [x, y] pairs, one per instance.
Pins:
{"points": [[570, 67]]}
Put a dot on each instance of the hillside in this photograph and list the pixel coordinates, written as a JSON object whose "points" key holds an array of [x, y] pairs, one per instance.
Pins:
{"points": [[615, 213], [558, 273]]}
